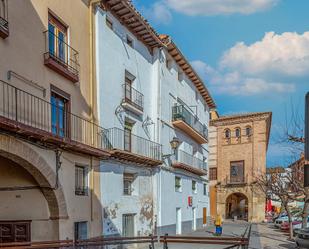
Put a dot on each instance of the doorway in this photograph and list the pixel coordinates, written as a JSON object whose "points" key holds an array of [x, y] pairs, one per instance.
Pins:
{"points": [[128, 225], [237, 206], [194, 219], [178, 220]]}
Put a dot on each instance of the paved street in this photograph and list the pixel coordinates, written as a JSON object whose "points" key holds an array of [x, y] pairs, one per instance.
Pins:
{"points": [[263, 236]]}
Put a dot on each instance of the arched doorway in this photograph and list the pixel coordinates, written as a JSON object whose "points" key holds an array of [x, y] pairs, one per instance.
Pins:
{"points": [[30, 205], [237, 205]]}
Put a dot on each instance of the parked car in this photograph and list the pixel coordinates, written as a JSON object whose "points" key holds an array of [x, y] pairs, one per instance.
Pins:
{"points": [[302, 238], [280, 220], [285, 225], [298, 227]]}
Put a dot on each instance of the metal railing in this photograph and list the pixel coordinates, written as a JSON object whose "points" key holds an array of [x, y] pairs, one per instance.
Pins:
{"points": [[114, 138], [188, 159], [153, 241], [81, 190], [27, 109], [4, 25], [133, 97], [239, 179], [180, 112], [57, 49]]}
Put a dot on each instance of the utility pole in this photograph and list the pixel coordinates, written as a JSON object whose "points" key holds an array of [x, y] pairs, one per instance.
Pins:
{"points": [[306, 166]]}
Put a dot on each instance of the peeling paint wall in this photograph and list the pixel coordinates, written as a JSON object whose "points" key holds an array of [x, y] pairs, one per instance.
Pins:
{"points": [[115, 203]]}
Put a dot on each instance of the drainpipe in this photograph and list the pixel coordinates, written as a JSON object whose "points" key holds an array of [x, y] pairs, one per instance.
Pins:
{"points": [[92, 60], [159, 139], [92, 80]]}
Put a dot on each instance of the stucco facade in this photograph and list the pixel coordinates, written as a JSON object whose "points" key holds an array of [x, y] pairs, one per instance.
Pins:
{"points": [[175, 91], [236, 159], [35, 187], [116, 60], [124, 58]]}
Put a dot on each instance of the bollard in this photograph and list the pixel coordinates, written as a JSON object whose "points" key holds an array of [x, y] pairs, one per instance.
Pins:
{"points": [[165, 241], [151, 246]]}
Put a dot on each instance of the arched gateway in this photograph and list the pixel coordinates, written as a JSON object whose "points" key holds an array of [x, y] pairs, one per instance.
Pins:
{"points": [[31, 203], [236, 206]]}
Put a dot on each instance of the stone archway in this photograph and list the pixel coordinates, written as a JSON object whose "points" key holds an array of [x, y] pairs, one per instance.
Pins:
{"points": [[22, 154], [236, 205]]}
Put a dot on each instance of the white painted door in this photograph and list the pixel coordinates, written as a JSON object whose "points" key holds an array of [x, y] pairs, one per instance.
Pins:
{"points": [[194, 219], [178, 220]]}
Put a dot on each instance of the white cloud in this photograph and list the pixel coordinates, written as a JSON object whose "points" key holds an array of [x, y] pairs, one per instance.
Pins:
{"points": [[220, 7], [235, 83], [284, 54], [158, 13]]}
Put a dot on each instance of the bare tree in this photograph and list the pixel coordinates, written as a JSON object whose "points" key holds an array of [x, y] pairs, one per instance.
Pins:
{"points": [[292, 138], [282, 187]]}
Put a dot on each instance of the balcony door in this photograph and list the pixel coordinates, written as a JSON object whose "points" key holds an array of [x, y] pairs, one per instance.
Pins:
{"points": [[237, 172], [128, 87], [128, 135], [59, 113], [57, 38]]}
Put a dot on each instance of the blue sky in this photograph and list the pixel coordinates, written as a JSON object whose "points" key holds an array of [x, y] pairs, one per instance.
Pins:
{"points": [[252, 54]]}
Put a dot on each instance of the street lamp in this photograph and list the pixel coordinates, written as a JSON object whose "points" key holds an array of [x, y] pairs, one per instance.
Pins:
{"points": [[174, 145]]}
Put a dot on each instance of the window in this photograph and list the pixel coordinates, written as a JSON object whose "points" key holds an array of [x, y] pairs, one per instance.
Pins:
{"points": [[128, 135], [177, 184], [81, 230], [128, 80], [59, 112], [205, 162], [194, 186], [109, 23], [237, 132], [128, 225], [180, 76], [129, 41], [212, 174], [3, 9], [237, 172], [127, 183], [248, 131], [81, 180], [169, 63], [205, 189], [227, 134], [57, 38]]}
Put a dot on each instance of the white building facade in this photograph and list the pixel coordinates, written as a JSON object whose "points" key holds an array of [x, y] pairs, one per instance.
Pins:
{"points": [[183, 193], [145, 101]]}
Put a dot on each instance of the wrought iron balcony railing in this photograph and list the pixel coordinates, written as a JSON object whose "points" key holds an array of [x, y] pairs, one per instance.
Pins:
{"points": [[60, 56], [133, 97], [31, 111], [4, 27], [234, 180], [180, 112], [116, 138], [190, 160]]}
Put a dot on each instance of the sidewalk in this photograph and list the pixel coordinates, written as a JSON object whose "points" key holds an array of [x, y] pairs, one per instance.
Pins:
{"points": [[266, 236]]}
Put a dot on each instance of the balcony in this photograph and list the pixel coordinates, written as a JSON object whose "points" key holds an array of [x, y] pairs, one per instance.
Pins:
{"points": [[133, 100], [60, 57], [184, 120], [132, 148], [190, 163], [238, 180], [4, 28], [27, 116]]}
